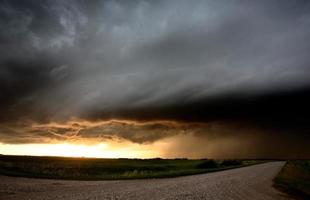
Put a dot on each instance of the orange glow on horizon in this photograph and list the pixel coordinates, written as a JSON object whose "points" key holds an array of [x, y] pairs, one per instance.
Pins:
{"points": [[72, 143], [101, 150]]}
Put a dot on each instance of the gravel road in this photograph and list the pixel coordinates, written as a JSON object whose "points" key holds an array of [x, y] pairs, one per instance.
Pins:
{"points": [[253, 183]]}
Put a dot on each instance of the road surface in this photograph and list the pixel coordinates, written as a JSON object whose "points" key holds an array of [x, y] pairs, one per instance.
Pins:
{"points": [[252, 183]]}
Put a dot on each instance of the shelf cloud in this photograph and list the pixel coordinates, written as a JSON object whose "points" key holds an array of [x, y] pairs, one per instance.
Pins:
{"points": [[67, 68]]}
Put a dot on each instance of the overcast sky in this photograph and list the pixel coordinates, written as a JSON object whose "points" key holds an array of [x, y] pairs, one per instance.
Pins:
{"points": [[178, 60]]}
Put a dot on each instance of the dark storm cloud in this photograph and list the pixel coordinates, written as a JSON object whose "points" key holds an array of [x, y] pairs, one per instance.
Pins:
{"points": [[106, 57], [146, 60], [32, 57]]}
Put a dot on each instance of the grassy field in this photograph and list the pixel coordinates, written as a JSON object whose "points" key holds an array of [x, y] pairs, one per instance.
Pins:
{"points": [[110, 169], [294, 178]]}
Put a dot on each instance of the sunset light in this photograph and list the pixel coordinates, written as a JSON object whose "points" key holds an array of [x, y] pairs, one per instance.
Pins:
{"points": [[101, 150]]}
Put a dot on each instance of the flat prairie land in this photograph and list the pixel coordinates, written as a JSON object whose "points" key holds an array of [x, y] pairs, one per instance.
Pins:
{"points": [[110, 169], [246, 183]]}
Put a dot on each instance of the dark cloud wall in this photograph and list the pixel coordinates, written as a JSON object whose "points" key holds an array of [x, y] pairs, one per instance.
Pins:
{"points": [[155, 60]]}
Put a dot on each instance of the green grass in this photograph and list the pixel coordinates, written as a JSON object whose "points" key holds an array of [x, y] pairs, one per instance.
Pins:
{"points": [[294, 178], [110, 169]]}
